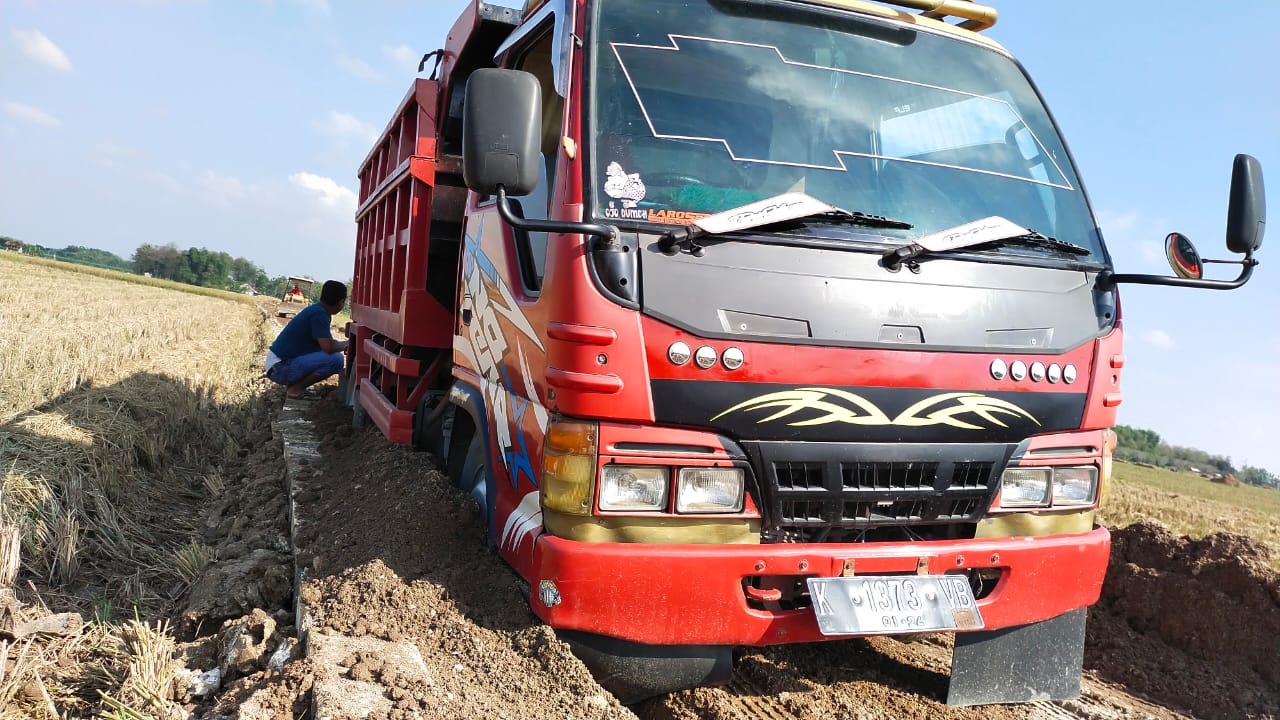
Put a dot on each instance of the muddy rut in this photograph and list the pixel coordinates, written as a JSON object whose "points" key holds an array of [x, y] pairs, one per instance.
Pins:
{"points": [[1184, 628]]}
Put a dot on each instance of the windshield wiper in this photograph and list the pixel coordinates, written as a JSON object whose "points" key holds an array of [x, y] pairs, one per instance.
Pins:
{"points": [[988, 232], [844, 217], [788, 209]]}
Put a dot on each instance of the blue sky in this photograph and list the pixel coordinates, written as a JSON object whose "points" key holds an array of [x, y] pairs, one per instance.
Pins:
{"points": [[239, 126]]}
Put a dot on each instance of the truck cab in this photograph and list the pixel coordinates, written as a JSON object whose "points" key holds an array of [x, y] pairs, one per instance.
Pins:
{"points": [[770, 321]]}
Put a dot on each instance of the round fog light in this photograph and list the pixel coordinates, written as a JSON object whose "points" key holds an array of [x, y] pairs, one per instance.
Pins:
{"points": [[678, 353], [732, 358], [705, 357], [1018, 370], [1037, 371], [548, 593], [999, 369]]}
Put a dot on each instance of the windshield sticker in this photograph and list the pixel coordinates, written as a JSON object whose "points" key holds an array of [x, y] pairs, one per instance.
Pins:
{"points": [[938, 127], [675, 217], [973, 233], [623, 186], [787, 206]]}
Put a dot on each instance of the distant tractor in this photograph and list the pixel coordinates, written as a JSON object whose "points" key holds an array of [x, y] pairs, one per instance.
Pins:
{"points": [[295, 296]]}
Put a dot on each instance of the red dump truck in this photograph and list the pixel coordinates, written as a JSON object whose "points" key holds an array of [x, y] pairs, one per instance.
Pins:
{"points": [[757, 321]]}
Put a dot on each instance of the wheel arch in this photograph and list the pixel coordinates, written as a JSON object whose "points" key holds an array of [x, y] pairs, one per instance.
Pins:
{"points": [[471, 420]]}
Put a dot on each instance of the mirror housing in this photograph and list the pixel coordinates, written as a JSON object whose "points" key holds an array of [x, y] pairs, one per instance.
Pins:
{"points": [[501, 131], [1247, 210]]}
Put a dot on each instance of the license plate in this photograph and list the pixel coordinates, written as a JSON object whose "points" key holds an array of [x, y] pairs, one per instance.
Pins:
{"points": [[893, 604]]}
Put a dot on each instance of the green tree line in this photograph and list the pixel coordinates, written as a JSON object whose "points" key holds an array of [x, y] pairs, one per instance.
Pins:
{"points": [[1145, 446], [192, 266]]}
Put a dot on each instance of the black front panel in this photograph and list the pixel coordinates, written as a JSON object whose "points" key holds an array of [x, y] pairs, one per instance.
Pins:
{"points": [[770, 291], [767, 411], [855, 492]]}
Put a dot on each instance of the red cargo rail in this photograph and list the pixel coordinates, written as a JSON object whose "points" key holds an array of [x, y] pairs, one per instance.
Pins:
{"points": [[407, 230]]}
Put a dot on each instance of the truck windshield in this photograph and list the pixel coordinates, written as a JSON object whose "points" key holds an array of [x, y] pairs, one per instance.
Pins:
{"points": [[704, 105]]}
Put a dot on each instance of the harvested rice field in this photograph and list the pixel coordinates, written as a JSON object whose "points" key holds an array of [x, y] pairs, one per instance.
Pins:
{"points": [[120, 406]]}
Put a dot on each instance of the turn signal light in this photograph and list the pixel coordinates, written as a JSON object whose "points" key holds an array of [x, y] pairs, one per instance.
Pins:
{"points": [[569, 467]]}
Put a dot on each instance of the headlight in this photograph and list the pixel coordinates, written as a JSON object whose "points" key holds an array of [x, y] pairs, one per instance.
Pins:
{"points": [[1025, 487], [1075, 485], [1042, 487], [709, 490], [634, 487]]}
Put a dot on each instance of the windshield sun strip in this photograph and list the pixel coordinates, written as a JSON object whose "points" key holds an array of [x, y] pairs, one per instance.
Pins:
{"points": [[840, 165]]}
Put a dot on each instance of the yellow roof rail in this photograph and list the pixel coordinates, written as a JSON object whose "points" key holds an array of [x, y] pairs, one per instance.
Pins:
{"points": [[974, 16]]}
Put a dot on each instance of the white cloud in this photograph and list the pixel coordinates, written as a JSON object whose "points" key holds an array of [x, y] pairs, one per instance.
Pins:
{"points": [[357, 68], [1135, 241], [219, 189], [330, 193], [1121, 223], [41, 49], [347, 125], [1158, 338], [403, 55], [30, 114]]}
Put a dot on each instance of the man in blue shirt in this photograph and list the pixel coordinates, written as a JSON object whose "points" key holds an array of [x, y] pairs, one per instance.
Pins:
{"points": [[305, 352]]}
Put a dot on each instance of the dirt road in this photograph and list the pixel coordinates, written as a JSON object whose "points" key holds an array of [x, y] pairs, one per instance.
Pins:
{"points": [[1183, 629]]}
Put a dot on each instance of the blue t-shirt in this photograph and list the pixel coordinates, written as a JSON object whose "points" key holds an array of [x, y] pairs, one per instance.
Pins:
{"points": [[299, 337]]}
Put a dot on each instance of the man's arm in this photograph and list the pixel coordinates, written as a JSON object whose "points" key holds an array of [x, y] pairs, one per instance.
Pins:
{"points": [[330, 345]]}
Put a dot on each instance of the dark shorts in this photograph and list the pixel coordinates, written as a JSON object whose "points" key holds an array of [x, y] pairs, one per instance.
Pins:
{"points": [[288, 372]]}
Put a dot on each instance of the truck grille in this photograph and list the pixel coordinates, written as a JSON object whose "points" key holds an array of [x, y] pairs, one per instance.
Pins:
{"points": [[847, 492]]}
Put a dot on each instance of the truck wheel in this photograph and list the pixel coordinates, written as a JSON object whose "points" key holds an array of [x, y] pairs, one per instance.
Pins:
{"points": [[635, 671], [472, 478], [357, 410], [432, 422]]}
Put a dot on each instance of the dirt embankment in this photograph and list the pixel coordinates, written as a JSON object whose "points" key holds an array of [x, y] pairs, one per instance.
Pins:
{"points": [[1193, 622], [1183, 627], [397, 554]]}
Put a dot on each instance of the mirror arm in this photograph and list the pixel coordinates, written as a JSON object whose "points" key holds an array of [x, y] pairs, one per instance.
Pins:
{"points": [[608, 233], [1108, 280]]}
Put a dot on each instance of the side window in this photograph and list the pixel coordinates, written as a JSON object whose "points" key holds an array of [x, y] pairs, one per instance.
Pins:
{"points": [[532, 246]]}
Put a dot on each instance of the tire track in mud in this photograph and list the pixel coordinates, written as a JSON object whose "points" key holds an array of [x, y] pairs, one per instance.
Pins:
{"points": [[753, 703]]}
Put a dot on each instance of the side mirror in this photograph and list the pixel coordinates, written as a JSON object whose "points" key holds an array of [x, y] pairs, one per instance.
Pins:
{"points": [[1246, 219], [1183, 256], [501, 131], [1247, 211]]}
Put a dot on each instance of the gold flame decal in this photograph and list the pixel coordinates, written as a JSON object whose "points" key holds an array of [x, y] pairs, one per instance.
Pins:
{"points": [[839, 406]]}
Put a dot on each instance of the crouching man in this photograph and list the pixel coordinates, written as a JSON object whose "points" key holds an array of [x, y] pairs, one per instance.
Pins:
{"points": [[305, 352]]}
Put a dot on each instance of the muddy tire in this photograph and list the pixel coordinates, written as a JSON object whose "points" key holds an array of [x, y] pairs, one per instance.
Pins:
{"points": [[634, 672], [472, 479], [357, 410]]}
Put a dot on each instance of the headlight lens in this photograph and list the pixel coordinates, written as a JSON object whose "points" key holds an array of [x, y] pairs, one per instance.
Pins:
{"points": [[1025, 487], [1075, 485], [634, 487], [709, 490], [1049, 486]]}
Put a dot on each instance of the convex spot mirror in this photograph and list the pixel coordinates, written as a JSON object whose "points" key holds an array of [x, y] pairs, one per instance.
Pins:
{"points": [[1247, 210], [501, 131], [1183, 256]]}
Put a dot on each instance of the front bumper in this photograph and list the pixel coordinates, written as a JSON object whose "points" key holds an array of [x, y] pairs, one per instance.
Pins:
{"points": [[693, 594]]}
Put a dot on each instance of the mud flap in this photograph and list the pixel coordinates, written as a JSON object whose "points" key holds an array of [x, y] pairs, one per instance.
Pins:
{"points": [[1040, 661]]}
